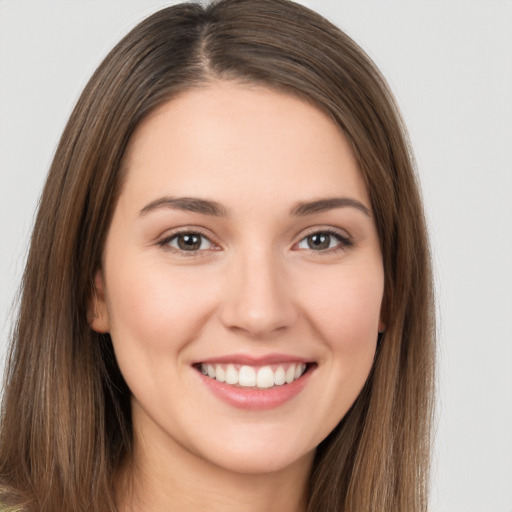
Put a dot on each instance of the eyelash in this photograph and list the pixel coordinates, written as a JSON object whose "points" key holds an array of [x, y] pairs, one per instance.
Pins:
{"points": [[165, 242], [344, 242]]}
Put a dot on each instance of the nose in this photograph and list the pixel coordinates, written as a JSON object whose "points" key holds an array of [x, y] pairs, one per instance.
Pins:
{"points": [[258, 298]]}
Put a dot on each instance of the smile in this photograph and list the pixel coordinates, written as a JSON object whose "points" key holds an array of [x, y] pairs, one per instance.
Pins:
{"points": [[262, 377], [255, 383]]}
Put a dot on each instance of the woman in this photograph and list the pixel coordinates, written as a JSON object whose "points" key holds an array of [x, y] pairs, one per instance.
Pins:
{"points": [[227, 299]]}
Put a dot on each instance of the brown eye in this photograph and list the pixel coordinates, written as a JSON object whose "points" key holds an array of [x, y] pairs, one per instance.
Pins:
{"points": [[323, 241], [319, 241], [188, 242]]}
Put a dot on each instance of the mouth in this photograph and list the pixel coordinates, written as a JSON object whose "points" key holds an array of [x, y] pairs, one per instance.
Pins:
{"points": [[259, 377]]}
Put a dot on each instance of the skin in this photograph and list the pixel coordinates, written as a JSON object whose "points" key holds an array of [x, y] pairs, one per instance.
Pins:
{"points": [[255, 286]]}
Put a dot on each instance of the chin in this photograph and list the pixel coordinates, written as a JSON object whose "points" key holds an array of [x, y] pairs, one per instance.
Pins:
{"points": [[262, 462]]}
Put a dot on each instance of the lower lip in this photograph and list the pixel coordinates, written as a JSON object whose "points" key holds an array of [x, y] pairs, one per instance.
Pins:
{"points": [[256, 399]]}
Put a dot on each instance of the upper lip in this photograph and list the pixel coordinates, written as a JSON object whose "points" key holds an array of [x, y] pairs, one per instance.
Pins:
{"points": [[252, 360]]}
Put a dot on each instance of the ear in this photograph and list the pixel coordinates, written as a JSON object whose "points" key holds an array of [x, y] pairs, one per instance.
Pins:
{"points": [[383, 318], [97, 310], [384, 314]]}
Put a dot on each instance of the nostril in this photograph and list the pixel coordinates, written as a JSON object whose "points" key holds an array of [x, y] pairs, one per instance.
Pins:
{"points": [[251, 318], [257, 299]]}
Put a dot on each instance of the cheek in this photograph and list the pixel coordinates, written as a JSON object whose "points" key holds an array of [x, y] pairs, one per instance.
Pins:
{"points": [[153, 308], [345, 312], [348, 303]]}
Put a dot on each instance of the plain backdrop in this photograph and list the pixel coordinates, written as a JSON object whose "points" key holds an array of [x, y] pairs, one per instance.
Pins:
{"points": [[450, 66]]}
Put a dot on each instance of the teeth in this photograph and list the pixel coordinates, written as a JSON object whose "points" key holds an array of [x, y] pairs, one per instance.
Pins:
{"points": [[231, 374], [220, 373], [247, 376], [290, 374], [265, 378], [279, 376]]}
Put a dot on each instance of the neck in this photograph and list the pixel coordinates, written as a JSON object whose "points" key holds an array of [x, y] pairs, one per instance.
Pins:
{"points": [[175, 480]]}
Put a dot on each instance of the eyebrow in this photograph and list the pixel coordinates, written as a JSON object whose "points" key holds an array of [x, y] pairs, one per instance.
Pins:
{"points": [[208, 207], [321, 205], [190, 204]]}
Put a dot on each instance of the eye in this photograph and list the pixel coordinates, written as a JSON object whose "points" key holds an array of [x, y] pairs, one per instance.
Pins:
{"points": [[324, 241], [188, 241]]}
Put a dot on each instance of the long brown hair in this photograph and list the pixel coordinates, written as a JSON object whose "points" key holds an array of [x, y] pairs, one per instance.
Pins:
{"points": [[66, 422]]}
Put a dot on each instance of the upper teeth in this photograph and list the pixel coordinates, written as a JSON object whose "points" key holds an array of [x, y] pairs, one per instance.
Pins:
{"points": [[263, 377]]}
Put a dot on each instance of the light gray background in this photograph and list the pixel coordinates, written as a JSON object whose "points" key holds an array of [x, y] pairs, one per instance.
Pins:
{"points": [[449, 63]]}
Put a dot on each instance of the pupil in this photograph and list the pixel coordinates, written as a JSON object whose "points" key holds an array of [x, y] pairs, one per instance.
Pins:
{"points": [[189, 242], [319, 241]]}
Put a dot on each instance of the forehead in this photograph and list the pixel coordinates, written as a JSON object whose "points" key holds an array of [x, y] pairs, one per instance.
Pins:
{"points": [[227, 138]]}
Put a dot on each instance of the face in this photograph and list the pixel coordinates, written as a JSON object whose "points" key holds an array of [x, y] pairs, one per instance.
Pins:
{"points": [[241, 279]]}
